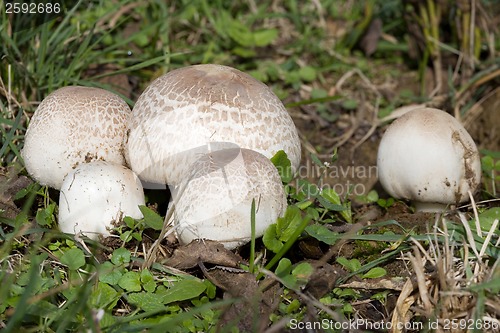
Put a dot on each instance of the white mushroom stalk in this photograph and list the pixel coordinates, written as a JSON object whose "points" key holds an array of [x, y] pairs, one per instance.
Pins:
{"points": [[196, 105], [427, 156], [215, 202], [96, 196], [74, 125]]}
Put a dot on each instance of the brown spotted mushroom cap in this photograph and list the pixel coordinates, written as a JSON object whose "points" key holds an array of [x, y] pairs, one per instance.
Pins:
{"points": [[215, 202], [74, 125], [193, 106]]}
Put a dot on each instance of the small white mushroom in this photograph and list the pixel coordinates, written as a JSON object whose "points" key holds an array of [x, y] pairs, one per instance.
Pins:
{"points": [[74, 125], [428, 157], [196, 105], [96, 196], [215, 202]]}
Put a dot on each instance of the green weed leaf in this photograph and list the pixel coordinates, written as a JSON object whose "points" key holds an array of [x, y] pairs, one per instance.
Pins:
{"points": [[375, 272], [130, 281], [152, 219], [183, 290], [73, 258], [322, 234], [109, 273], [147, 301], [148, 281], [45, 216], [284, 166], [352, 265], [104, 296], [121, 256], [265, 37]]}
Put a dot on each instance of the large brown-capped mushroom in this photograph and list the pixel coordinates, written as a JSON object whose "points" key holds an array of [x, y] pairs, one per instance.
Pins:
{"points": [[74, 125], [196, 105]]}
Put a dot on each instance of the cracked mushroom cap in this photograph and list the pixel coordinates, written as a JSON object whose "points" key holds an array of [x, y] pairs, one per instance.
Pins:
{"points": [[96, 196], [196, 105], [74, 125], [428, 157], [215, 203]]}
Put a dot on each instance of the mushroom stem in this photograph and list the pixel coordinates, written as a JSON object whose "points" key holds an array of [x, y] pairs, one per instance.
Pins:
{"points": [[429, 207]]}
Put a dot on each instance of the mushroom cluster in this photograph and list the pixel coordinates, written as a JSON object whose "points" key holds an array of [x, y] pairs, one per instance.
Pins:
{"points": [[428, 157], [207, 131], [74, 143]]}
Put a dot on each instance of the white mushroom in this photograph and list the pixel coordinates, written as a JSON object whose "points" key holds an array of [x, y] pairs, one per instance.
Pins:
{"points": [[96, 196], [428, 157], [193, 106], [74, 125], [215, 203]]}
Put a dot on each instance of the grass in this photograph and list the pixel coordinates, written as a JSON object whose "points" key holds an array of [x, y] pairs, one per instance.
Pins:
{"points": [[391, 267]]}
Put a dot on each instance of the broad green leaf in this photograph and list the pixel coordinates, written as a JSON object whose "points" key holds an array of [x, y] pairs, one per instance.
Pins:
{"points": [[240, 33], [284, 166], [329, 205], [104, 296], [265, 37], [487, 163], [486, 219], [381, 296], [152, 219], [45, 216], [146, 301], [109, 273], [130, 222], [322, 234], [270, 239], [284, 268], [121, 256], [304, 204], [308, 189], [372, 196], [148, 281], [352, 265], [287, 224], [374, 273], [307, 73], [350, 104], [302, 272], [130, 281], [183, 290], [73, 258]]}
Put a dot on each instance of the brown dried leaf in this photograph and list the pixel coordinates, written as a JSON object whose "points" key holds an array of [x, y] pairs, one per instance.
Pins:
{"points": [[369, 41], [206, 251]]}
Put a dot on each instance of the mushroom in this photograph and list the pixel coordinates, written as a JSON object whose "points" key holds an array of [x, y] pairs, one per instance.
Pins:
{"points": [[215, 201], [196, 105], [96, 196], [74, 125], [428, 157]]}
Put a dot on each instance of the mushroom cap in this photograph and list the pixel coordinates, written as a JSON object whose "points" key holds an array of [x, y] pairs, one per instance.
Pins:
{"points": [[427, 156], [215, 203], [193, 106], [96, 196], [74, 125]]}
